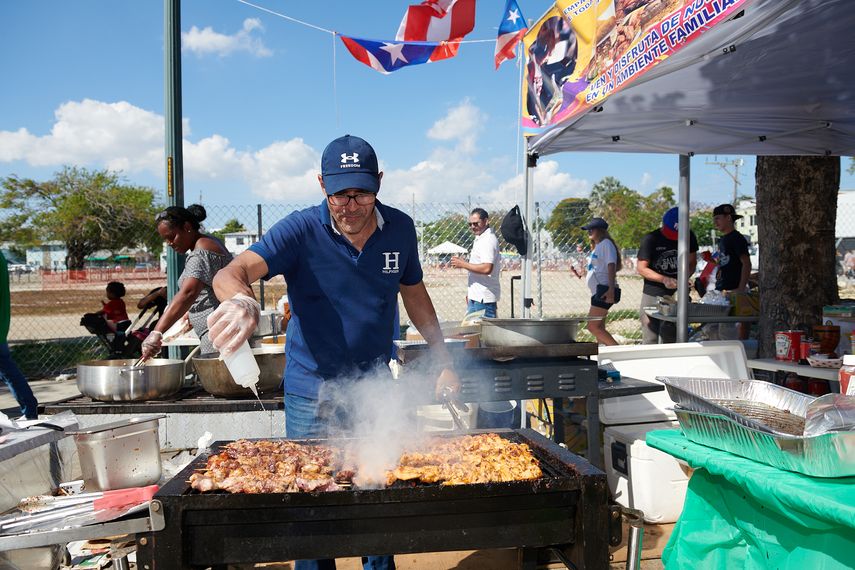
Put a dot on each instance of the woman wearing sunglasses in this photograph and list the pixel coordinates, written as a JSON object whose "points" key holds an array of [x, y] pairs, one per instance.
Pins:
{"points": [[602, 278]]}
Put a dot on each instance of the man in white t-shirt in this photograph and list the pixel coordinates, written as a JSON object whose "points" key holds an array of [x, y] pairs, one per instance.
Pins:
{"points": [[483, 266]]}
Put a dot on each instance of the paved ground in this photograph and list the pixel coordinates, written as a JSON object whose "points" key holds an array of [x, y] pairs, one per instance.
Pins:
{"points": [[45, 391]]}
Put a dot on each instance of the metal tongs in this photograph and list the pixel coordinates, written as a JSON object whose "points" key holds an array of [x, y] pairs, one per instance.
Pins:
{"points": [[451, 405]]}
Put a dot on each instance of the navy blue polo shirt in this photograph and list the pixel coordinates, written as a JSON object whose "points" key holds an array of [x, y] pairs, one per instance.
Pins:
{"points": [[343, 301]]}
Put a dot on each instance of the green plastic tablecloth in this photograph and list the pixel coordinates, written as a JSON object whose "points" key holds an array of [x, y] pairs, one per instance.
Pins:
{"points": [[741, 514]]}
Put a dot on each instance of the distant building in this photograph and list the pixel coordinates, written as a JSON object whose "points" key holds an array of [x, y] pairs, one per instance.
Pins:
{"points": [[747, 225], [844, 230], [50, 255], [238, 242]]}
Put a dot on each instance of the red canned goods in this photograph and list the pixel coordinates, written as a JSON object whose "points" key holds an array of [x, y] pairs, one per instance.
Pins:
{"points": [[804, 350], [788, 345]]}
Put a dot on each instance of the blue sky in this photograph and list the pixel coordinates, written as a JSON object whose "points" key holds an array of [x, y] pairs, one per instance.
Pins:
{"points": [[262, 96]]}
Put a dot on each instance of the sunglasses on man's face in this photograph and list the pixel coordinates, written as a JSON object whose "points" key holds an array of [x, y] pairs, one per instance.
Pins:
{"points": [[474, 224]]}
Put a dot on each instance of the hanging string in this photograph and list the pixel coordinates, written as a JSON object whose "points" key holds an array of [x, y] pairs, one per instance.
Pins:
{"points": [[334, 90], [308, 25], [289, 18], [520, 63]]}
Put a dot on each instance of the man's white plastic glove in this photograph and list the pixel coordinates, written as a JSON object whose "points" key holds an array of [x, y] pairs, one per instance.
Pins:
{"points": [[232, 323], [152, 344]]}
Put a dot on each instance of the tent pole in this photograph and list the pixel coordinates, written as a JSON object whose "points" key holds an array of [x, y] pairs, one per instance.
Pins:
{"points": [[530, 164], [683, 244]]}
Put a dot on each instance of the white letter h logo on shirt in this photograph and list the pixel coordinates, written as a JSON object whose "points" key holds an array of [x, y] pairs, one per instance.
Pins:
{"points": [[391, 261]]}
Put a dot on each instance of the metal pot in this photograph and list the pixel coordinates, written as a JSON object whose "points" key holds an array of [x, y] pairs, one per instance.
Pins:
{"points": [[120, 454], [268, 324], [118, 381], [529, 332], [216, 380]]}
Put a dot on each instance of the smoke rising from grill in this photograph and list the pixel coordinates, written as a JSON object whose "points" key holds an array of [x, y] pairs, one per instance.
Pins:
{"points": [[377, 414]]}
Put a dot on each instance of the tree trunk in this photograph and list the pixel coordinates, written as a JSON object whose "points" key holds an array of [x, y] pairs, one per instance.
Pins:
{"points": [[796, 215]]}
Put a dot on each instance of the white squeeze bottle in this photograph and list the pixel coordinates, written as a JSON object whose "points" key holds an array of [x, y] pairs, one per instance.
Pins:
{"points": [[243, 367]]}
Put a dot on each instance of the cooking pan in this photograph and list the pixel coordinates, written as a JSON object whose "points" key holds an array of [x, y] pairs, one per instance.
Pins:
{"points": [[121, 381], [216, 379], [530, 332]]}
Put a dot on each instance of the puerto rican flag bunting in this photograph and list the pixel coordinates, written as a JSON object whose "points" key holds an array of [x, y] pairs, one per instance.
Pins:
{"points": [[511, 30], [438, 21], [389, 56]]}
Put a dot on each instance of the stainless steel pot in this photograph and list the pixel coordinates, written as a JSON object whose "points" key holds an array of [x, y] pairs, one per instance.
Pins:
{"points": [[118, 381], [120, 454], [216, 380], [268, 324], [529, 332]]}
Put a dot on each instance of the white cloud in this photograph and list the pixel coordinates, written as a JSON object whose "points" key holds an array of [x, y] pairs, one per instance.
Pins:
{"points": [[206, 41], [117, 135], [645, 180], [550, 185], [121, 136], [462, 123]]}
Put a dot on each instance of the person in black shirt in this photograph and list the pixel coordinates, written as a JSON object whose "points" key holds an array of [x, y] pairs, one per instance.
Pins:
{"points": [[657, 263], [734, 264]]}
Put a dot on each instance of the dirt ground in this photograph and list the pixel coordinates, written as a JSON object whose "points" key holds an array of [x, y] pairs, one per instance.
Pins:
{"points": [[43, 312]]}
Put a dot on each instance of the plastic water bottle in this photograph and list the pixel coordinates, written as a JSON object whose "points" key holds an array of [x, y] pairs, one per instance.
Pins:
{"points": [[243, 367]]}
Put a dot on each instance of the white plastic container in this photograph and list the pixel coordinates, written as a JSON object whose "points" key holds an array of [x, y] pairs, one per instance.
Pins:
{"points": [[243, 367], [644, 478], [712, 359]]}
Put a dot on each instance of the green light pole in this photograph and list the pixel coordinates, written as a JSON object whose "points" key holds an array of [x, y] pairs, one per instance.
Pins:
{"points": [[174, 134]]}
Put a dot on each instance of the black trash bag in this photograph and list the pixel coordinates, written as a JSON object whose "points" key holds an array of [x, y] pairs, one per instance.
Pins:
{"points": [[513, 230]]}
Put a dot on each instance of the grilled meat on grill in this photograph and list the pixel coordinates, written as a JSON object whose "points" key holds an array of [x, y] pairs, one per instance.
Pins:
{"points": [[286, 467], [268, 467], [482, 458]]}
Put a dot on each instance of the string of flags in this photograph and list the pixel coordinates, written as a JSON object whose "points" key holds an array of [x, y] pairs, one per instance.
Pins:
{"points": [[430, 31]]}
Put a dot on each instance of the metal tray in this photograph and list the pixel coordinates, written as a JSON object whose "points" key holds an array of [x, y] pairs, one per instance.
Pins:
{"points": [[755, 397], [827, 455]]}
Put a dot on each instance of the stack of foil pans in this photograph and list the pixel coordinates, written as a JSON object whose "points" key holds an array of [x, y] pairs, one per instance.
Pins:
{"points": [[708, 411]]}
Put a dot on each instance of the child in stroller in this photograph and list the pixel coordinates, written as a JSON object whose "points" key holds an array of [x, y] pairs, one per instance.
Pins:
{"points": [[126, 341]]}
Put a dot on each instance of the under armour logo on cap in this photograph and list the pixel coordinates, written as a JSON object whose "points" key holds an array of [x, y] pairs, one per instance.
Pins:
{"points": [[348, 163]]}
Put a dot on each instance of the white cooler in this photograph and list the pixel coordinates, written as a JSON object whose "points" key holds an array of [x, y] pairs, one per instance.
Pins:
{"points": [[644, 478], [652, 481]]}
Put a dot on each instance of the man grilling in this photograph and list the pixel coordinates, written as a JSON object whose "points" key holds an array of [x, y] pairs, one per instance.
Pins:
{"points": [[344, 262]]}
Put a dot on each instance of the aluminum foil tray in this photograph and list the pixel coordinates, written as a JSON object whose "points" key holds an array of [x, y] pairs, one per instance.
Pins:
{"points": [[782, 409], [827, 455]]}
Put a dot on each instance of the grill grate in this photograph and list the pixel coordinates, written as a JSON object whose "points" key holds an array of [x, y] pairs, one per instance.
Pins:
{"points": [[550, 467]]}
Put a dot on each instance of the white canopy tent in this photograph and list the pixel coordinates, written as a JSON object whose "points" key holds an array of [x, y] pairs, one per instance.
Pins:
{"points": [[447, 248], [776, 79]]}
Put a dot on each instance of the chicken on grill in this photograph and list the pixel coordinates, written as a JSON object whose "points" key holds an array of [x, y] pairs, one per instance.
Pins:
{"points": [[285, 466], [268, 467], [482, 458]]}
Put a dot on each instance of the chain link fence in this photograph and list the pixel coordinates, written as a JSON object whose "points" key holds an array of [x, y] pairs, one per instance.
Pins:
{"points": [[46, 336]]}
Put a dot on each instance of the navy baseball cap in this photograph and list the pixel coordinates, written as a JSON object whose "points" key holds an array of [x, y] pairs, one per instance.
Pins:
{"points": [[350, 162], [596, 223]]}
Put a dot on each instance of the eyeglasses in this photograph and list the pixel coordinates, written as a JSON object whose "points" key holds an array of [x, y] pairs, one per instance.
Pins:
{"points": [[344, 199], [474, 224]]}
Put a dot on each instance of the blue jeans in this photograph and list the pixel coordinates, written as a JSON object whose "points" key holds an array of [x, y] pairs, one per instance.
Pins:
{"points": [[303, 422], [488, 308], [12, 376]]}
